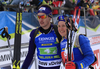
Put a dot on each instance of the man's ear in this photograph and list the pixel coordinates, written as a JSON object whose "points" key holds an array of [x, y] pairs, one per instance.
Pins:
{"points": [[50, 18]]}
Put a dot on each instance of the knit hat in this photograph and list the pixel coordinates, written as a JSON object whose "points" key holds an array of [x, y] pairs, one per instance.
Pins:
{"points": [[45, 9], [61, 18]]}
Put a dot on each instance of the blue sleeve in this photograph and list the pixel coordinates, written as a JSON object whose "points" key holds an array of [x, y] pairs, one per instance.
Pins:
{"points": [[31, 51], [87, 53]]}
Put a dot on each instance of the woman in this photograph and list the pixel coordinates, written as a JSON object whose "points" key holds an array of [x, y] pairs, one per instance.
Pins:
{"points": [[81, 61]]}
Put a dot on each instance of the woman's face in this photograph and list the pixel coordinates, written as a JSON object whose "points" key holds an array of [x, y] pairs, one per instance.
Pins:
{"points": [[62, 28]]}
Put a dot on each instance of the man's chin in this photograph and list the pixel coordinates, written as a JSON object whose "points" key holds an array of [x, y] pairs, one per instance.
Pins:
{"points": [[42, 25]]}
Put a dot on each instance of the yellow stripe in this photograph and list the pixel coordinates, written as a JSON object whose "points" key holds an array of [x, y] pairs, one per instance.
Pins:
{"points": [[81, 65]]}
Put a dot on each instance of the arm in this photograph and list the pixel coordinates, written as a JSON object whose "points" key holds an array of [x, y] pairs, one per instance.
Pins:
{"points": [[31, 52], [87, 53]]}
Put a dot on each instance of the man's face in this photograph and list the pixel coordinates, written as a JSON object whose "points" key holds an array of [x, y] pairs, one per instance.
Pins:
{"points": [[44, 20]]}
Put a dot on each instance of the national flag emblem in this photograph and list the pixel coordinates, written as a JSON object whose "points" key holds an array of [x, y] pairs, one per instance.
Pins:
{"points": [[48, 51]]}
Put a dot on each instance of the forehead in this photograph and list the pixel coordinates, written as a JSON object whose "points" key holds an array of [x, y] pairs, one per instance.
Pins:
{"points": [[61, 23], [41, 13]]}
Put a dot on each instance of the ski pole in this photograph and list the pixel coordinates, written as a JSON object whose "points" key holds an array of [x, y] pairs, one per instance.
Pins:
{"points": [[71, 41], [68, 45], [8, 38], [5, 34], [1, 29], [85, 23]]}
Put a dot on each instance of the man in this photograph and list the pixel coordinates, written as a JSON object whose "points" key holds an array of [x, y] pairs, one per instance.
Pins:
{"points": [[46, 42]]}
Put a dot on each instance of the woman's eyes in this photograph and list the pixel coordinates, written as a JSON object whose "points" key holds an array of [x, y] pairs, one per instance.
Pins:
{"points": [[61, 26]]}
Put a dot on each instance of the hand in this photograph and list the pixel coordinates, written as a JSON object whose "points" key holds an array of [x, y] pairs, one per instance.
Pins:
{"points": [[64, 57], [70, 65], [6, 29]]}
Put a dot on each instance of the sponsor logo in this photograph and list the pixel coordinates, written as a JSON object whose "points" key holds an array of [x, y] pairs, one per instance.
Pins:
{"points": [[49, 57], [42, 8], [97, 54], [46, 44], [63, 43], [46, 38], [50, 63], [54, 63], [7, 57], [42, 63], [48, 51], [94, 40]]}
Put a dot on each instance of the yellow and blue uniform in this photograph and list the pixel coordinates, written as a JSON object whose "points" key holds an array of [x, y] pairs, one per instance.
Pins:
{"points": [[82, 61], [48, 50]]}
